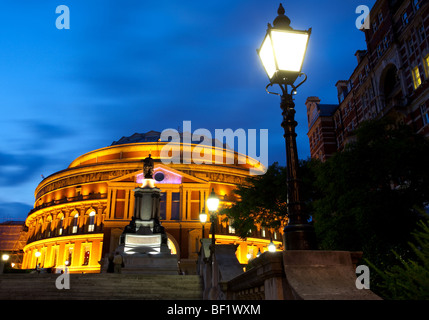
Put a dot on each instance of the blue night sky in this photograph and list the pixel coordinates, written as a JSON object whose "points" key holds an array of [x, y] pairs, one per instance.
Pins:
{"points": [[134, 66]]}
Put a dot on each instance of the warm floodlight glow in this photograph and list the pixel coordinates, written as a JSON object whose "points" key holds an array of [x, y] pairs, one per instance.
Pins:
{"points": [[212, 201]]}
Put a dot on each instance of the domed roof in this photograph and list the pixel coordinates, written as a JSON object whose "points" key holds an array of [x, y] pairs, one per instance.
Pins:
{"points": [[151, 136]]}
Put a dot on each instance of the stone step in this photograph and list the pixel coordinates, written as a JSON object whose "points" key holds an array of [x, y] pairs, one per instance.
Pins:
{"points": [[101, 286]]}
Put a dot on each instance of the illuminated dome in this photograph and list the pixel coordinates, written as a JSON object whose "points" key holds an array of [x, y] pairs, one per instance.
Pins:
{"points": [[80, 212]]}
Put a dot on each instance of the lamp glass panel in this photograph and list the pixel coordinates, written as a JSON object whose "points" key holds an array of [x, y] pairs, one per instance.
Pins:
{"points": [[212, 203], [203, 217], [267, 57], [289, 49]]}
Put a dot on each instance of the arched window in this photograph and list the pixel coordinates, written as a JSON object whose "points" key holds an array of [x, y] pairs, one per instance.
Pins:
{"points": [[61, 226], [91, 220], [48, 227], [75, 223], [39, 229]]}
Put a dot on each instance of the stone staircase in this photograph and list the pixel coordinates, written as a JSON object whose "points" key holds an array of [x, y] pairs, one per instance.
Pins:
{"points": [[101, 286]]}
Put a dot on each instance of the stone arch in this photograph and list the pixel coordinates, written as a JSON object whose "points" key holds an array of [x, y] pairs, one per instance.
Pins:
{"points": [[172, 241], [392, 89], [389, 80], [60, 221]]}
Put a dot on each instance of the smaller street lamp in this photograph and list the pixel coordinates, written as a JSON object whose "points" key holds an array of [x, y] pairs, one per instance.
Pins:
{"points": [[212, 205], [4, 259], [272, 247], [37, 254], [203, 220]]}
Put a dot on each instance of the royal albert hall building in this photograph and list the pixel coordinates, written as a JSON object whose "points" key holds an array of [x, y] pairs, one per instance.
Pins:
{"points": [[80, 212]]}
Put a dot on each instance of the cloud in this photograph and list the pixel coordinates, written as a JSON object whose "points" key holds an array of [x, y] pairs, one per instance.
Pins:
{"points": [[17, 169], [14, 211]]}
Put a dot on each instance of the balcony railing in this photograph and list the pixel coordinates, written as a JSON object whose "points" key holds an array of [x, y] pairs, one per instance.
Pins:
{"points": [[67, 231], [91, 196]]}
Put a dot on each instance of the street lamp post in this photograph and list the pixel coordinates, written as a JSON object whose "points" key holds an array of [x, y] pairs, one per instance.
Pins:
{"points": [[37, 254], [203, 220], [212, 205], [4, 258], [282, 54]]}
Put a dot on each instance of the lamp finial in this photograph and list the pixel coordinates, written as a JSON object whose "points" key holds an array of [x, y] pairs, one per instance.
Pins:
{"points": [[281, 10], [282, 21]]}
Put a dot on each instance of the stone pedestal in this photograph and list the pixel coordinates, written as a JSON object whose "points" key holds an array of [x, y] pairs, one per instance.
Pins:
{"points": [[160, 263], [146, 254], [143, 243]]}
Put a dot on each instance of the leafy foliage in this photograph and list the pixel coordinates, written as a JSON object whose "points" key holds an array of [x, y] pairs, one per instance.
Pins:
{"points": [[263, 202], [409, 280], [370, 193], [370, 197]]}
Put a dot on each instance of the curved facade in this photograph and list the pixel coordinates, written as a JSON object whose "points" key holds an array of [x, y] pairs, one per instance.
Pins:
{"points": [[80, 212]]}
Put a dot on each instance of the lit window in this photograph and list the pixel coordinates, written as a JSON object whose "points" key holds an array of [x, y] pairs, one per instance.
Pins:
{"points": [[60, 226], [263, 232], [74, 229], [416, 77], [91, 221], [86, 256], [231, 229], [425, 114], [426, 64]]}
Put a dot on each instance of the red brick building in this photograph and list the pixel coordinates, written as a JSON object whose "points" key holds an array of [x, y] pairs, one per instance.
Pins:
{"points": [[391, 78]]}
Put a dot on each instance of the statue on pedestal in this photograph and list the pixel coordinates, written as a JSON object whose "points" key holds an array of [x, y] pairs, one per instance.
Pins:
{"points": [[148, 165], [145, 234]]}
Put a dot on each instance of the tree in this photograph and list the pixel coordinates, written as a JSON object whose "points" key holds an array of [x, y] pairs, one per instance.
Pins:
{"points": [[263, 199], [370, 193], [262, 202], [409, 280]]}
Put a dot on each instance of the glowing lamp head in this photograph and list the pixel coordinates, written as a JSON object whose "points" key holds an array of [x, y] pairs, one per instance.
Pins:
{"points": [[38, 254], [212, 201], [203, 217], [272, 247], [5, 257], [283, 50]]}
